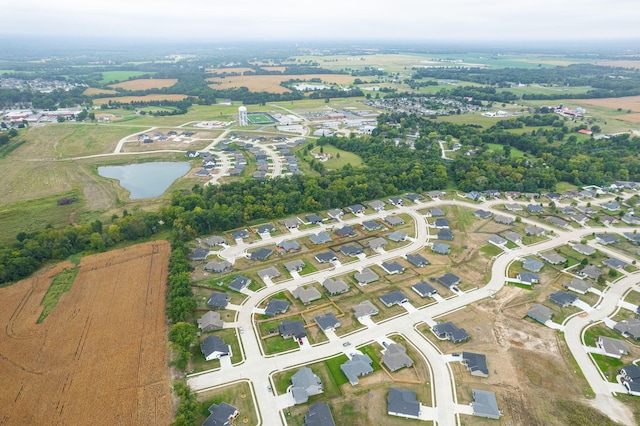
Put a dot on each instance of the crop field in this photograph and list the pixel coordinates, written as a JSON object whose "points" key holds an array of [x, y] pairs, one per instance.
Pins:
{"points": [[91, 91], [95, 349], [146, 83], [239, 70], [271, 83], [115, 76], [147, 98]]}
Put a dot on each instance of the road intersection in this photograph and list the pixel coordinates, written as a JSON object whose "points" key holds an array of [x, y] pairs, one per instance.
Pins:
{"points": [[258, 367]]}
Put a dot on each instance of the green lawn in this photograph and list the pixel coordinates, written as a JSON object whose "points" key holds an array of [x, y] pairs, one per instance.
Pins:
{"points": [[515, 152], [608, 365], [333, 365], [339, 158], [116, 76]]}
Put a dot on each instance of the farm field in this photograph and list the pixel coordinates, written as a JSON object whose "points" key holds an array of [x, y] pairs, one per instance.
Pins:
{"points": [[146, 83], [95, 349], [271, 83], [147, 98], [91, 91], [115, 76]]}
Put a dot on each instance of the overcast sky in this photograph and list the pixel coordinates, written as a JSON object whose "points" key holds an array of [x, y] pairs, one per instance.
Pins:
{"points": [[211, 20]]}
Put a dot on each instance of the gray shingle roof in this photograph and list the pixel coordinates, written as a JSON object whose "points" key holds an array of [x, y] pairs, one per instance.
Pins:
{"points": [[476, 363], [394, 298], [403, 402], [319, 414], [485, 405], [424, 289], [276, 306], [540, 313], [357, 366], [239, 282]]}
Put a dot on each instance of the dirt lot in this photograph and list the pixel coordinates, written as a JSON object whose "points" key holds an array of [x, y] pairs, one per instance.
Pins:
{"points": [[100, 357], [146, 83], [271, 83], [626, 103]]}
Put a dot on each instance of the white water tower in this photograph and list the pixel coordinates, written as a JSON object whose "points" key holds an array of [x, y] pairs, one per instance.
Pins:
{"points": [[242, 116]]}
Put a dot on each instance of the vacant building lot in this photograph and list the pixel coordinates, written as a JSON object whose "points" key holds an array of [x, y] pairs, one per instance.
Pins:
{"points": [[100, 357]]}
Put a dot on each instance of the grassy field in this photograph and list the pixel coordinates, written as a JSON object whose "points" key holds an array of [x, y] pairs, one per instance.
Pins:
{"points": [[339, 158], [61, 283], [115, 76], [91, 91], [238, 395], [145, 83], [515, 152]]}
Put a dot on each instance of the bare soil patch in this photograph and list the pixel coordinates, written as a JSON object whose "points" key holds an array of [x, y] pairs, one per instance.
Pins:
{"points": [[626, 103], [146, 83], [100, 357]]}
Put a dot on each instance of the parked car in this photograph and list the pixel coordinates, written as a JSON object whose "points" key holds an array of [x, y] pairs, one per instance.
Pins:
{"points": [[346, 344]]}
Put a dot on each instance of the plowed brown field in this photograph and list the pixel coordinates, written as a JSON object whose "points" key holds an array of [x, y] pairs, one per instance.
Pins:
{"points": [[100, 357]]}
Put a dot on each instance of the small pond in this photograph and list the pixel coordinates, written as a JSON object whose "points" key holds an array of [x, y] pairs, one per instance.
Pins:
{"points": [[146, 180]]}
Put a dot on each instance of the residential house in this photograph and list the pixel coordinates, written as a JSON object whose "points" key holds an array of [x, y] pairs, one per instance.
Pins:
{"points": [[325, 257], [579, 219], [266, 229], [359, 365], [394, 220], [442, 223], [633, 238], [366, 276], [395, 357], [346, 231], [397, 236], [513, 207], [535, 208], [445, 235], [294, 265], [414, 197], [305, 384], [239, 282], [276, 306], [210, 321], [319, 414], [534, 231], [215, 241], [364, 309], [435, 195], [218, 300], [628, 328], [294, 329], [417, 260], [557, 221], [612, 206], [327, 322], [435, 212], [357, 209], [371, 225], [473, 195], [335, 286], [292, 223], [552, 258], [377, 205], [213, 347], [591, 271], [482, 214], [631, 379], [218, 267], [476, 364], [351, 250], [449, 331], [313, 219], [528, 278], [450, 281], [606, 239], [497, 241], [485, 405], [270, 272], [261, 254], [240, 234], [221, 415], [504, 220], [614, 263], [321, 237], [424, 289], [394, 298], [577, 285], [540, 313], [377, 243], [199, 254], [532, 265], [562, 298], [306, 294], [396, 201], [514, 237], [584, 249], [335, 214], [288, 246], [440, 248], [631, 219], [403, 403], [614, 348], [392, 267]]}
